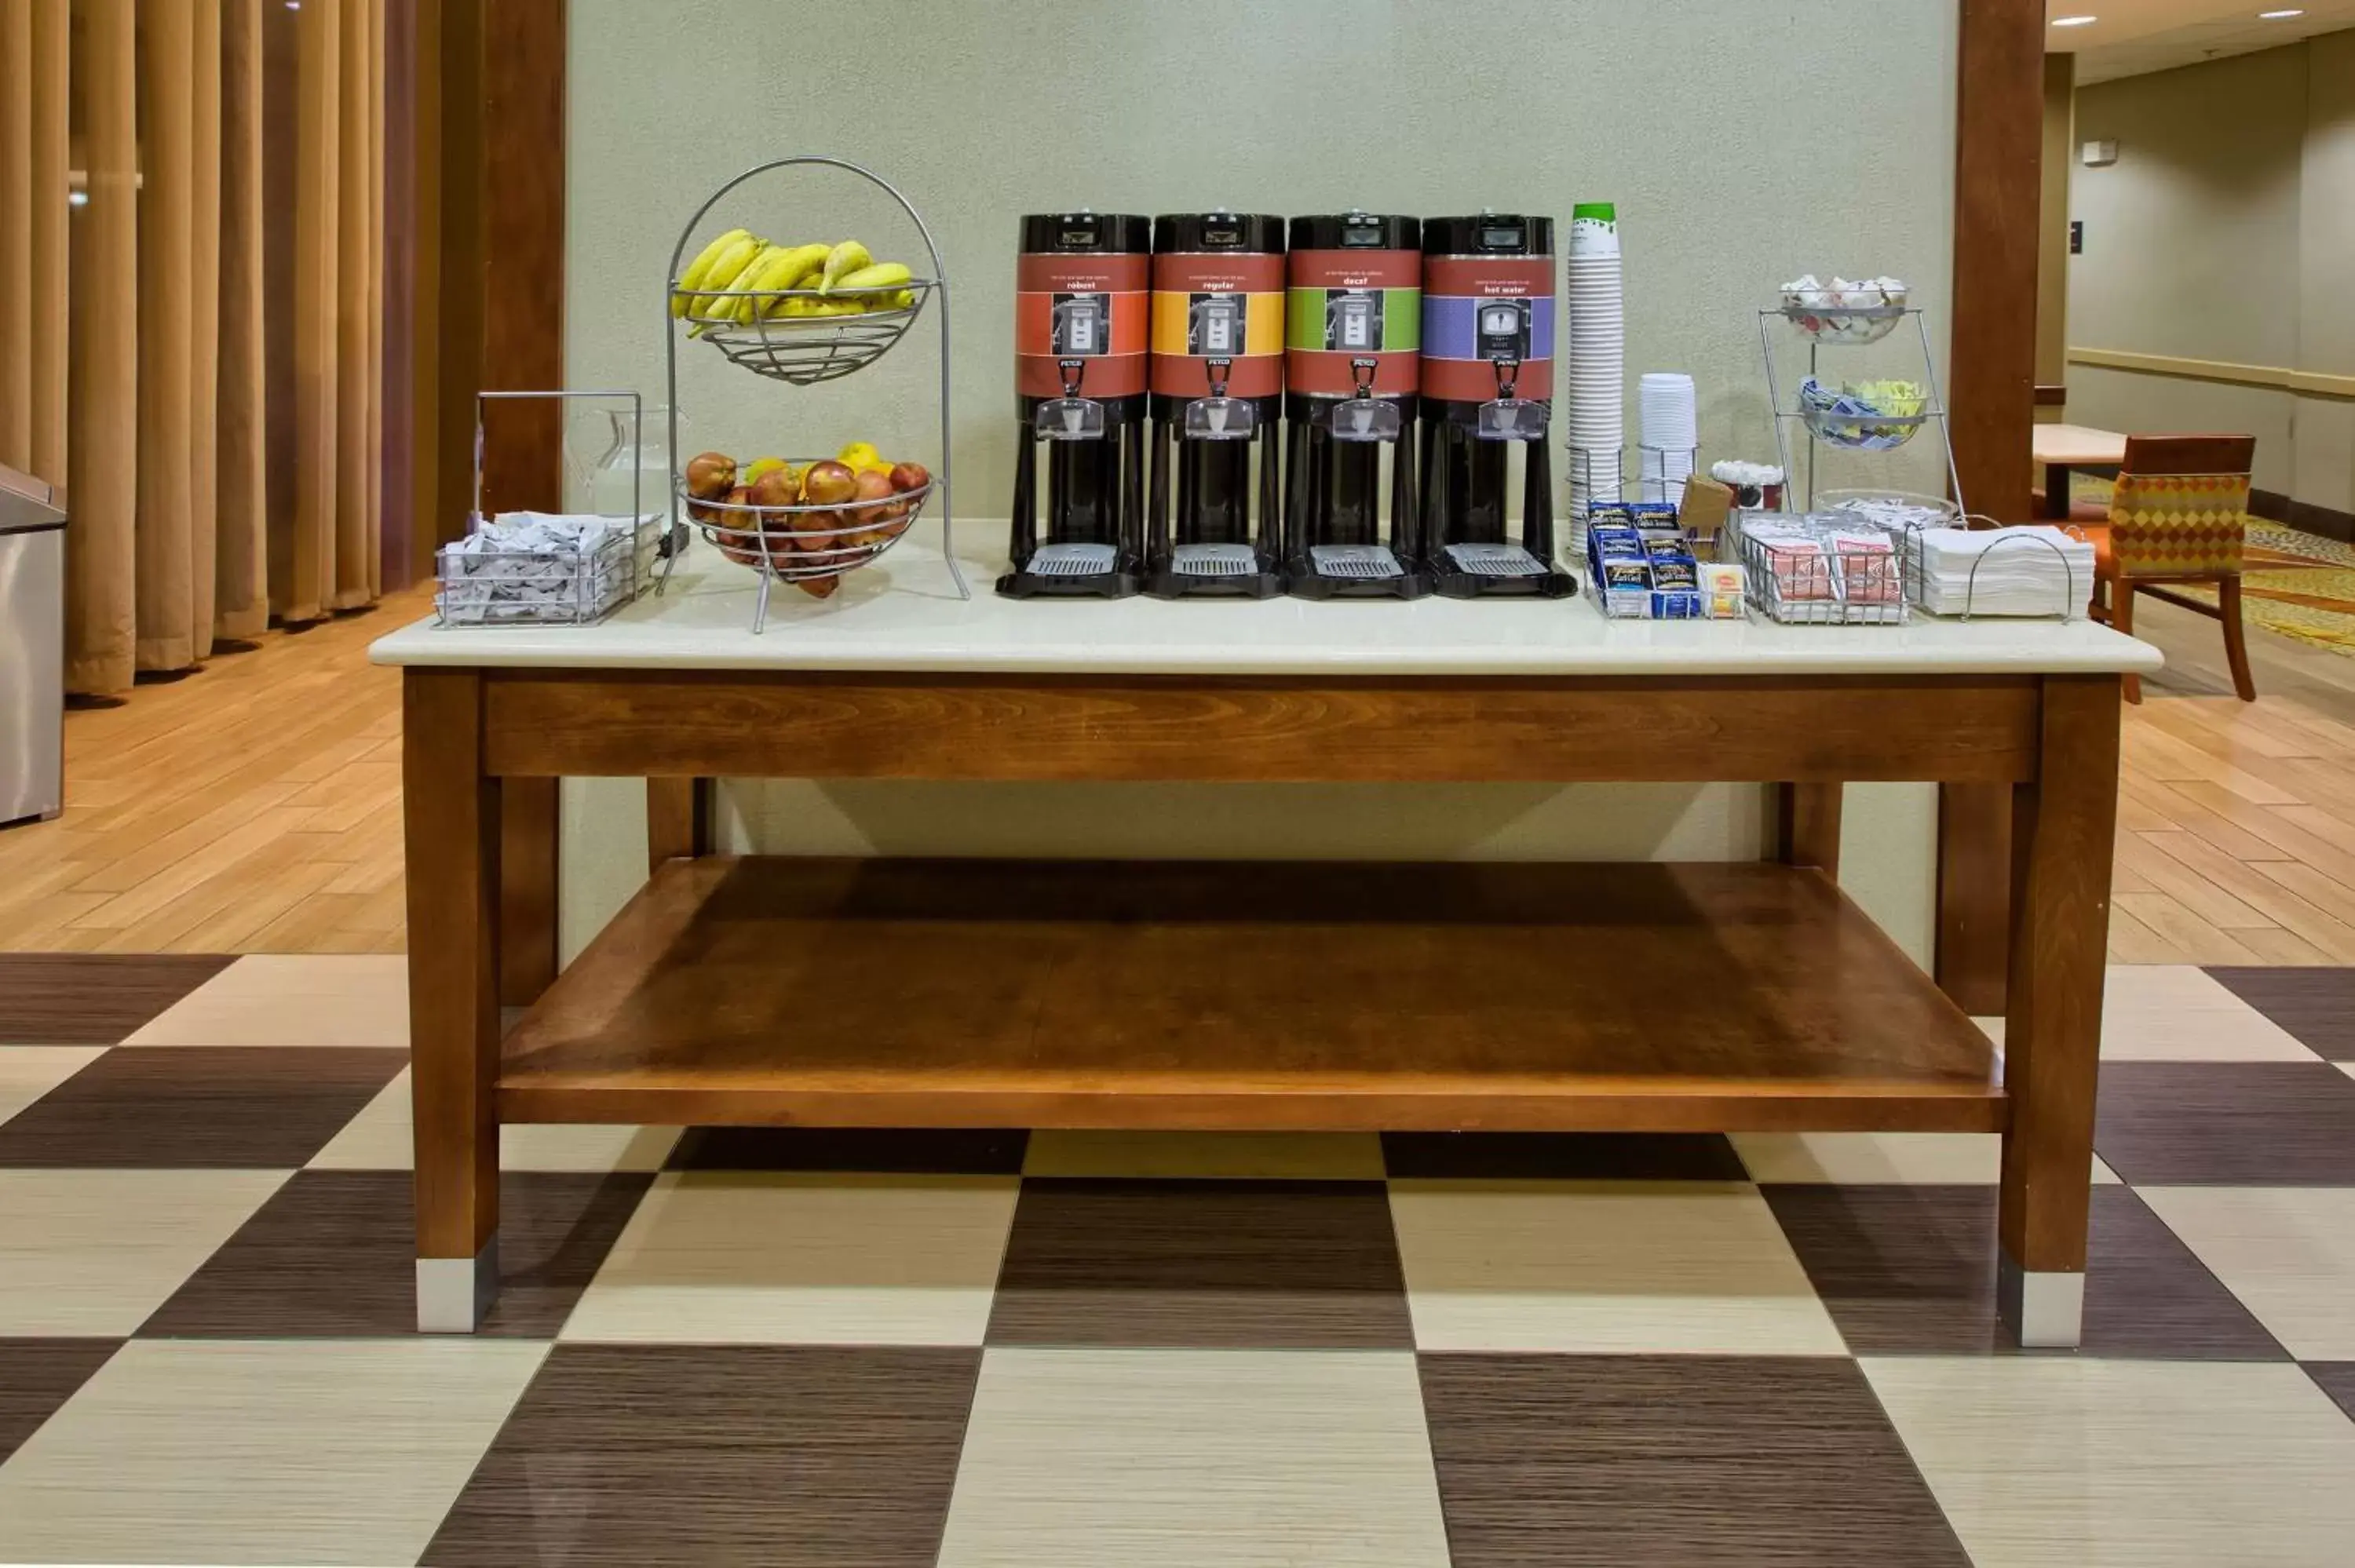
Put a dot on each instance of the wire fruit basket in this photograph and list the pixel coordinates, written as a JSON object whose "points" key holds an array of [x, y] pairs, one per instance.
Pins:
{"points": [[756, 333], [776, 335], [811, 543]]}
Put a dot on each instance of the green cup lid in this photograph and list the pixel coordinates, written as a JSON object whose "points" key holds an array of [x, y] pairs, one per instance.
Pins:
{"points": [[1604, 211]]}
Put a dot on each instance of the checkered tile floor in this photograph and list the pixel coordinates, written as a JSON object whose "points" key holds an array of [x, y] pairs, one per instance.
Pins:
{"points": [[1000, 1347]]}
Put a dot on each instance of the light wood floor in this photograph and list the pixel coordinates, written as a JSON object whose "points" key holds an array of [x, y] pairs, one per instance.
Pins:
{"points": [[255, 807]]}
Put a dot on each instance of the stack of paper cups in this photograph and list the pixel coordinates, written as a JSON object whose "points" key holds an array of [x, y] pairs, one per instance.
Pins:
{"points": [[1671, 431], [1595, 419]]}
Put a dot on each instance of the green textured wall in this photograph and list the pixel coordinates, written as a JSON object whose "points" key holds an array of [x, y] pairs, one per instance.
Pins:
{"points": [[1744, 142]]}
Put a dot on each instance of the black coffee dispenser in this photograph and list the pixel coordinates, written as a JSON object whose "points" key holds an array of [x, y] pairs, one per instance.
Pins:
{"points": [[1081, 300], [1218, 392], [1487, 386], [1353, 317]]}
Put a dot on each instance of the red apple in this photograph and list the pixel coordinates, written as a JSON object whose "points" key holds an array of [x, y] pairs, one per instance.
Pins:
{"points": [[829, 483], [909, 476]]}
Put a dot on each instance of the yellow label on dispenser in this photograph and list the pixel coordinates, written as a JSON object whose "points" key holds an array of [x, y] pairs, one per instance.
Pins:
{"points": [[1205, 325]]}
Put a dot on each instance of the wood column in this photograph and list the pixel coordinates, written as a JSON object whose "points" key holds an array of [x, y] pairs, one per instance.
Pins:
{"points": [[1991, 396], [1807, 818]]}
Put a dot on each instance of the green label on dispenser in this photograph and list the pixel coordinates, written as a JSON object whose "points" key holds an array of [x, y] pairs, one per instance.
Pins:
{"points": [[1354, 321]]}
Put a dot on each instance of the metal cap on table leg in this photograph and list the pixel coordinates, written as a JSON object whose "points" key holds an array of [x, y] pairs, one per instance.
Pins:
{"points": [[454, 1294], [2044, 1310]]}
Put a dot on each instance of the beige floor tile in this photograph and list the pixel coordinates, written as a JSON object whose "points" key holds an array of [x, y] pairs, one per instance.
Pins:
{"points": [[1603, 1266], [96, 1252], [1088, 1458], [735, 1257], [327, 1452], [2347, 1068], [1868, 1159], [380, 1139], [2045, 1462], [29, 1072], [2288, 1252], [292, 999], [2174, 1013], [1268, 1156]]}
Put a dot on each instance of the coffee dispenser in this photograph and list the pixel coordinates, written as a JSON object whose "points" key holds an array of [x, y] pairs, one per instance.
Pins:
{"points": [[1487, 386], [1353, 320], [1218, 392], [1081, 306]]}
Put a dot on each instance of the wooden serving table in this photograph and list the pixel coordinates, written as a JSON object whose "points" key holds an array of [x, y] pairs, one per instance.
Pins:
{"points": [[1203, 995]]}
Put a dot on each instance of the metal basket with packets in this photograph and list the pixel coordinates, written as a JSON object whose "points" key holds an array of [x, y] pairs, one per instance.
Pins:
{"points": [[1641, 565], [1820, 568], [536, 569]]}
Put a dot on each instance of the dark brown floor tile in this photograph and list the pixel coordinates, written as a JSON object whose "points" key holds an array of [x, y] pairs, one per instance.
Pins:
{"points": [[38, 1375], [983, 1151], [332, 1255], [169, 1106], [1564, 1156], [92, 999], [2259, 1124], [2318, 1005], [2336, 1378], [1912, 1270], [1279, 1264], [787, 1457], [1683, 1461]]}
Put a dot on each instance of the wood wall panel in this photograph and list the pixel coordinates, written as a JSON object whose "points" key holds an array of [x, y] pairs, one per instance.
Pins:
{"points": [[1991, 384], [522, 216]]}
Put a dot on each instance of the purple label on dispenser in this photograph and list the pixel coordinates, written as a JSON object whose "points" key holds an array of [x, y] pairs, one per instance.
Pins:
{"points": [[1455, 326]]}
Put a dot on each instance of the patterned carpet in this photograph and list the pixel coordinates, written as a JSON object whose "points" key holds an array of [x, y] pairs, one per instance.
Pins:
{"points": [[1039, 1350]]}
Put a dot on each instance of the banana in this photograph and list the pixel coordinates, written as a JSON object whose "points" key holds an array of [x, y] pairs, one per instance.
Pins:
{"points": [[843, 260], [760, 278], [881, 275], [695, 269], [902, 299], [800, 263]]}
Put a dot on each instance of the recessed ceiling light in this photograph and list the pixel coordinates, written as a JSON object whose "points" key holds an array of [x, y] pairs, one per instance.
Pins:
{"points": [[2277, 15], [2074, 21]]}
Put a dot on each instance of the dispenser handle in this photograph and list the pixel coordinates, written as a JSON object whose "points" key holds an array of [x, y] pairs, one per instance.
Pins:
{"points": [[1509, 375], [1216, 370], [1074, 372], [1364, 370]]}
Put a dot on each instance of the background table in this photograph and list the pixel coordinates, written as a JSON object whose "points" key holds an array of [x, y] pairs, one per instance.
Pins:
{"points": [[2060, 450]]}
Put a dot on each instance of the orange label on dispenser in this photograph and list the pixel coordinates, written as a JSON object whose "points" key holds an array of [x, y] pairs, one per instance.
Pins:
{"points": [[1081, 318]]}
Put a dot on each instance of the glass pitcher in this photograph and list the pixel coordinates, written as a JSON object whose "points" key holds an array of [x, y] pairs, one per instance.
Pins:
{"points": [[627, 456]]}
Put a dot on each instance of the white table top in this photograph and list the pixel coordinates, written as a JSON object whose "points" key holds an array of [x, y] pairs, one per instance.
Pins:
{"points": [[902, 614], [2071, 445]]}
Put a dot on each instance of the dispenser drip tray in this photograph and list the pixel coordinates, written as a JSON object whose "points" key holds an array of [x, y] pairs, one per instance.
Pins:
{"points": [[1362, 563], [1495, 561], [1072, 560], [1213, 561]]}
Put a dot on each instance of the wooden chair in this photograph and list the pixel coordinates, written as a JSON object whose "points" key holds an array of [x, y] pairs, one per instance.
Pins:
{"points": [[2177, 514]]}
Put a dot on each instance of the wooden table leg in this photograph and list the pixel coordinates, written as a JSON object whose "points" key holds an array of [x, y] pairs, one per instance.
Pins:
{"points": [[678, 819], [451, 812], [1974, 894], [1809, 818], [2061, 825], [2056, 493], [528, 843]]}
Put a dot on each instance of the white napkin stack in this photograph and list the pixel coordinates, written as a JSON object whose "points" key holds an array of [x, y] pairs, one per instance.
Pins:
{"points": [[2020, 571], [534, 565]]}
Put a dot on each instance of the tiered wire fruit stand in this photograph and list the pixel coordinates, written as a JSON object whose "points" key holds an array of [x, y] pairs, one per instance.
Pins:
{"points": [[810, 544]]}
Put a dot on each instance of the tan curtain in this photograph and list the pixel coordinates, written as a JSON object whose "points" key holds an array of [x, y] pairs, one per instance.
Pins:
{"points": [[135, 328], [338, 291]]}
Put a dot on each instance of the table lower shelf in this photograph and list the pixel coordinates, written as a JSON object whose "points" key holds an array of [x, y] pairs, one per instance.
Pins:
{"points": [[1247, 995]]}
